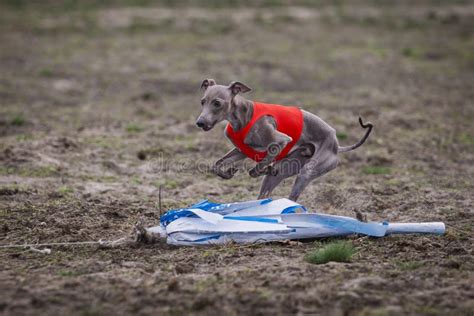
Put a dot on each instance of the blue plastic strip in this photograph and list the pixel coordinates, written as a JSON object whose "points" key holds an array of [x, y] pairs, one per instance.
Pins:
{"points": [[252, 219], [353, 225], [173, 215], [292, 209], [205, 205]]}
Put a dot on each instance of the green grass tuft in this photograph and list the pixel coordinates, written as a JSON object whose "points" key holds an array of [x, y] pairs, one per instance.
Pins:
{"points": [[408, 265], [45, 72], [68, 273], [23, 138], [134, 128], [466, 139], [411, 52], [33, 172], [340, 251], [18, 120], [341, 135], [64, 190], [376, 170]]}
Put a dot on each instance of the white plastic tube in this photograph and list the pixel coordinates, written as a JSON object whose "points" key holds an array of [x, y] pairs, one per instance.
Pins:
{"points": [[424, 228]]}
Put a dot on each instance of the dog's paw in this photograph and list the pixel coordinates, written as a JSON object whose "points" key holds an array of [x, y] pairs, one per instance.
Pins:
{"points": [[254, 173], [227, 174], [230, 172]]}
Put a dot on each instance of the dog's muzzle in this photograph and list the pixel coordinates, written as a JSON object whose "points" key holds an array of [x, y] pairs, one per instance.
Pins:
{"points": [[204, 126]]}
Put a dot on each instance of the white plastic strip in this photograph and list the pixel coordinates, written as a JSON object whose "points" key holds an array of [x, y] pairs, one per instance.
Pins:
{"points": [[422, 228], [197, 225]]}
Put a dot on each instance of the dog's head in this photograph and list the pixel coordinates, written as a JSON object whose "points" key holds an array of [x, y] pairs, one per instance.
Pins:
{"points": [[217, 102]]}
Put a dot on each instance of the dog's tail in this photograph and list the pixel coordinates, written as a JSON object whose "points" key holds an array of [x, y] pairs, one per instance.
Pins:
{"points": [[360, 142]]}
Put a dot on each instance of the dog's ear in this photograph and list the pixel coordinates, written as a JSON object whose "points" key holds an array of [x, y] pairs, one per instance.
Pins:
{"points": [[238, 87], [206, 83]]}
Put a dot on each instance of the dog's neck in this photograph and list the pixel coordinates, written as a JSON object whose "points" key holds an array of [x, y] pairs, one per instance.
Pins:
{"points": [[240, 113]]}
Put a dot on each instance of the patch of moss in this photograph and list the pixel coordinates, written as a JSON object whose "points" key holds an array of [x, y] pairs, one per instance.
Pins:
{"points": [[203, 284], [136, 180], [264, 293], [376, 170], [18, 120], [68, 273], [64, 190], [456, 235], [466, 139], [34, 172], [12, 189], [23, 138], [408, 265], [91, 311], [45, 72], [411, 52], [339, 251], [134, 128], [393, 182], [427, 310], [105, 142], [380, 311], [341, 135]]}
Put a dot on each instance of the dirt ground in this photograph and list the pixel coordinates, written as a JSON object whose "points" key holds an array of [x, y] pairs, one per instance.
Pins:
{"points": [[97, 110]]}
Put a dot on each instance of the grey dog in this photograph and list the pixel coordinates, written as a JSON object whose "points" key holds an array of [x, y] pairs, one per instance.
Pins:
{"points": [[313, 155]]}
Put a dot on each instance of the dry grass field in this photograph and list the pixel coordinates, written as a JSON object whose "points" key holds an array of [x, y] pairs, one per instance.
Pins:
{"points": [[97, 108]]}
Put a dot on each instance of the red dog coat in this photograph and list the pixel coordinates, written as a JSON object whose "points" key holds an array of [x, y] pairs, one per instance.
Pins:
{"points": [[289, 120]]}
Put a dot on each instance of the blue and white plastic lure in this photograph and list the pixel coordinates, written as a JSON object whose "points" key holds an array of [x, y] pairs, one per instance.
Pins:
{"points": [[266, 220]]}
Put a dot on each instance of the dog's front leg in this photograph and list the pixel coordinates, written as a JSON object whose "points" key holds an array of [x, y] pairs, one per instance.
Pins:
{"points": [[231, 157]]}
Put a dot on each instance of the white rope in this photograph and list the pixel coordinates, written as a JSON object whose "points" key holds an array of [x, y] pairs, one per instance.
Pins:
{"points": [[73, 243], [139, 232]]}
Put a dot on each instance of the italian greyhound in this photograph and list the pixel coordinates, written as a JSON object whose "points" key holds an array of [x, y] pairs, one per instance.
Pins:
{"points": [[312, 155]]}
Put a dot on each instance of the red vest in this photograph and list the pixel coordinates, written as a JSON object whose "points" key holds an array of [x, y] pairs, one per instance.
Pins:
{"points": [[289, 120]]}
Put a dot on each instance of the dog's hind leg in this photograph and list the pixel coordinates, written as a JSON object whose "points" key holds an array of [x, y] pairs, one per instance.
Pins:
{"points": [[323, 161], [269, 183], [283, 169]]}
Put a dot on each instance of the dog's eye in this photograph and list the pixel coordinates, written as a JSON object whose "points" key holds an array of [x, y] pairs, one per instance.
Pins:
{"points": [[202, 102], [217, 103]]}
